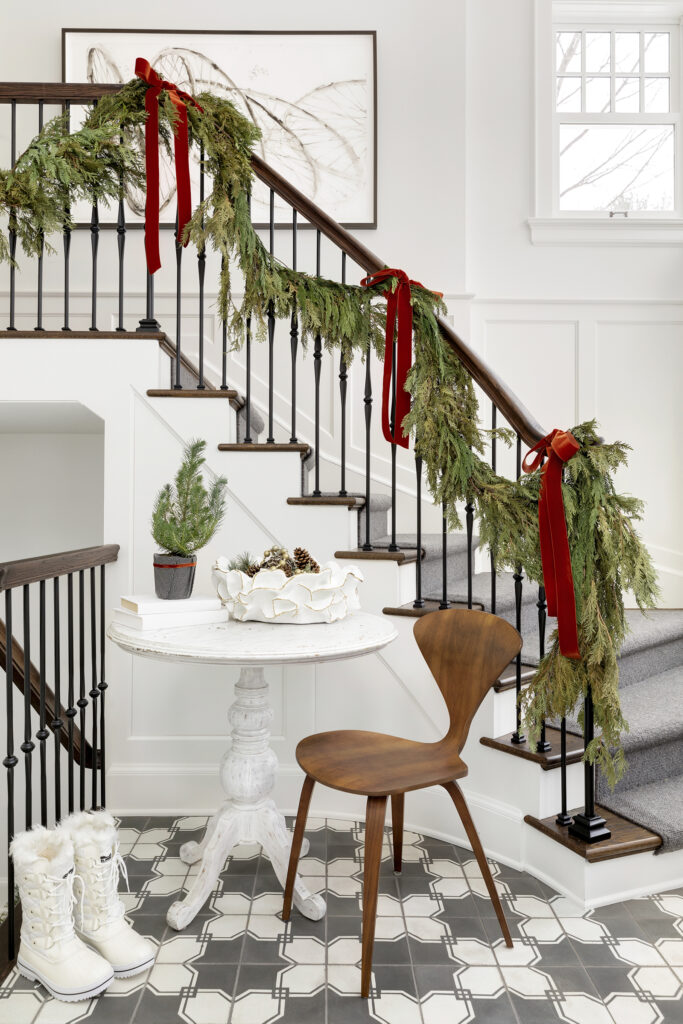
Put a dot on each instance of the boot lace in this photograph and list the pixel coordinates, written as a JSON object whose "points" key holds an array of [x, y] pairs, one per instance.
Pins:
{"points": [[49, 908], [100, 897]]}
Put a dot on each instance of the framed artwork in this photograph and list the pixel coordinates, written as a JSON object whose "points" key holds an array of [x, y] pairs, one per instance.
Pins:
{"points": [[312, 94]]}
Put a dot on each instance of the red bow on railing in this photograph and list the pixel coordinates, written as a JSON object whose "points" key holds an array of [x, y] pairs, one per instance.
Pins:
{"points": [[557, 448], [399, 307], [181, 145]]}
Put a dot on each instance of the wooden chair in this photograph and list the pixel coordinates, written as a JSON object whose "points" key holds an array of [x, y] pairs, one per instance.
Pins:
{"points": [[466, 651]]}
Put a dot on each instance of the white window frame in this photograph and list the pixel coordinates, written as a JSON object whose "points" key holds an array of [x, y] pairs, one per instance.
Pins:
{"points": [[550, 225]]}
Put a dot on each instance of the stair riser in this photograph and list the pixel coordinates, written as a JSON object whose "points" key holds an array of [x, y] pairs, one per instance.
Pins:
{"points": [[641, 664], [432, 568], [379, 519]]}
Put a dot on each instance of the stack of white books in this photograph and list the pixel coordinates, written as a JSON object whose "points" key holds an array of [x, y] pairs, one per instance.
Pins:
{"points": [[145, 611]]}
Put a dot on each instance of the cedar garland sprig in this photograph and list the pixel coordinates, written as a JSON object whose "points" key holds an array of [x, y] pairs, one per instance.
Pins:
{"points": [[608, 556]]}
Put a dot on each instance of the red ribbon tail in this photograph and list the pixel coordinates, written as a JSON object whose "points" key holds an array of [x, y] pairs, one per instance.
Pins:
{"points": [[182, 169], [152, 173], [404, 352], [388, 366]]}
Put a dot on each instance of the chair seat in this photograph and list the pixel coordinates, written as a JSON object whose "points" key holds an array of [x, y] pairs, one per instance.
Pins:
{"points": [[374, 764]]}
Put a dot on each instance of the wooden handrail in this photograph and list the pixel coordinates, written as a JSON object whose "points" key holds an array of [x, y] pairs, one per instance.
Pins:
{"points": [[514, 411], [46, 567]]}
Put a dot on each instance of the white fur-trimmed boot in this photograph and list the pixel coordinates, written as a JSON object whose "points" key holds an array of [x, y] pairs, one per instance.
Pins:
{"points": [[99, 913], [49, 951]]}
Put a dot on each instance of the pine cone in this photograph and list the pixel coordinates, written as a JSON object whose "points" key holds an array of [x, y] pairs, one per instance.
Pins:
{"points": [[304, 561], [252, 569]]}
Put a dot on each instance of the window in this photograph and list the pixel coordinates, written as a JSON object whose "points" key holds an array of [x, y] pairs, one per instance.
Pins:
{"points": [[616, 121], [609, 140]]}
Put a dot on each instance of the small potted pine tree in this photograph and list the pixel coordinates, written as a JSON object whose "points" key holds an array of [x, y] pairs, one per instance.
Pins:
{"points": [[184, 519]]}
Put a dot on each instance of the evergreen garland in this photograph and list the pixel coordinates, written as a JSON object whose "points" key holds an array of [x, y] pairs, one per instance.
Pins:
{"points": [[607, 554]]}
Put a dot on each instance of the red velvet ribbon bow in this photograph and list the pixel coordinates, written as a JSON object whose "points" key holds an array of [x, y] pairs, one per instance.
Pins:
{"points": [[399, 308], [181, 146], [556, 448]]}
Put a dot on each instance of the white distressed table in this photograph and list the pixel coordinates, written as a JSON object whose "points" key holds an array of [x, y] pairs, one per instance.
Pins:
{"points": [[247, 771]]}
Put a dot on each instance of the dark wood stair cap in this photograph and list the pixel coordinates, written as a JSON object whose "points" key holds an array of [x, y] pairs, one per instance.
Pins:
{"points": [[190, 393], [626, 837], [546, 759], [379, 555], [303, 449], [353, 501]]}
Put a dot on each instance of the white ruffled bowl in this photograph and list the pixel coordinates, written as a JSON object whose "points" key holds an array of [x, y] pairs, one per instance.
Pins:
{"points": [[271, 596]]}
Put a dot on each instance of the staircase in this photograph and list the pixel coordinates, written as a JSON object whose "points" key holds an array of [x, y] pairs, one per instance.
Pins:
{"points": [[516, 793]]}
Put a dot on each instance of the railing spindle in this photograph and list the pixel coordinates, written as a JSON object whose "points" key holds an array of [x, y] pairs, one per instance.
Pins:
{"points": [[42, 733], [94, 247], [247, 342], [589, 826], [10, 762], [94, 692], [102, 687], [543, 743], [494, 414], [393, 546], [201, 271], [419, 601], [343, 380], [178, 305], [518, 736], [28, 745], [41, 251], [82, 702], [271, 328], [67, 236], [294, 330], [71, 709], [12, 230], [224, 345], [445, 603], [563, 818], [317, 357], [469, 527], [367, 401], [121, 244], [57, 723], [148, 322]]}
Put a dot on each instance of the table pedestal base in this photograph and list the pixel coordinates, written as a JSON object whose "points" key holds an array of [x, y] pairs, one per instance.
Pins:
{"points": [[247, 775]]}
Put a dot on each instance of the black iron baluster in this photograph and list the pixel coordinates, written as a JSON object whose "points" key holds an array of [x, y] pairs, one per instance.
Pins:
{"points": [[542, 615], [343, 379], [71, 709], [518, 736], [589, 826], [66, 233], [94, 692], [367, 401], [102, 687], [41, 250], [419, 601], [28, 745], [12, 222], [94, 246], [469, 527], [494, 414], [148, 322], [445, 603], [121, 243], [82, 702], [317, 357], [201, 271], [42, 733], [57, 723], [224, 344], [294, 331], [10, 762], [178, 305], [247, 428], [563, 818], [271, 328]]}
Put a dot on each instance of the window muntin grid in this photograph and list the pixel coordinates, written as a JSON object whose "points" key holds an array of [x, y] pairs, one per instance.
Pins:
{"points": [[603, 72]]}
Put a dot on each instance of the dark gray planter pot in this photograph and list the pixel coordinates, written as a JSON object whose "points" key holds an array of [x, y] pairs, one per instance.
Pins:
{"points": [[174, 576]]}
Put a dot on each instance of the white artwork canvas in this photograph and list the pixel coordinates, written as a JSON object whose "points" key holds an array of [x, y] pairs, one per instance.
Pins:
{"points": [[312, 94]]}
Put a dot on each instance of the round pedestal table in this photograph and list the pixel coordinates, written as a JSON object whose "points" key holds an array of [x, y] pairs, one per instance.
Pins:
{"points": [[247, 771]]}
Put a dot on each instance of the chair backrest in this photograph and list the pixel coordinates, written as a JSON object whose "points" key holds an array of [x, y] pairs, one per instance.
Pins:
{"points": [[466, 652]]}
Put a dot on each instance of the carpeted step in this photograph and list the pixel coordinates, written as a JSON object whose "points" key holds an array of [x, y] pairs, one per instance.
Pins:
{"points": [[656, 805], [379, 507], [653, 746], [505, 600]]}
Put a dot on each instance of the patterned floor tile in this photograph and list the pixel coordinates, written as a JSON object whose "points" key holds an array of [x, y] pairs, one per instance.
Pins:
{"points": [[439, 956]]}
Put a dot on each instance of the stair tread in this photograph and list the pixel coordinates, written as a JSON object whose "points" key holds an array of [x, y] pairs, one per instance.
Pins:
{"points": [[431, 543], [654, 709], [303, 449], [208, 392], [351, 501], [481, 592], [627, 837], [655, 805]]}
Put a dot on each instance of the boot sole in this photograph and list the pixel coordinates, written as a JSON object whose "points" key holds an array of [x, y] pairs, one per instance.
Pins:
{"points": [[65, 997], [128, 972]]}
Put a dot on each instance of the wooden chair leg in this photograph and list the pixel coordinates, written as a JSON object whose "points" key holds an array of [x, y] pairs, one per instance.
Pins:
{"points": [[374, 832], [397, 802], [300, 825], [463, 810]]}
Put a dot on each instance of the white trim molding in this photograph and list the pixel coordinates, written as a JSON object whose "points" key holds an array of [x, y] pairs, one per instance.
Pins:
{"points": [[605, 231]]}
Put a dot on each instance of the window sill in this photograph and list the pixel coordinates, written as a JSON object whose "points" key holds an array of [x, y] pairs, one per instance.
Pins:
{"points": [[616, 231]]}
